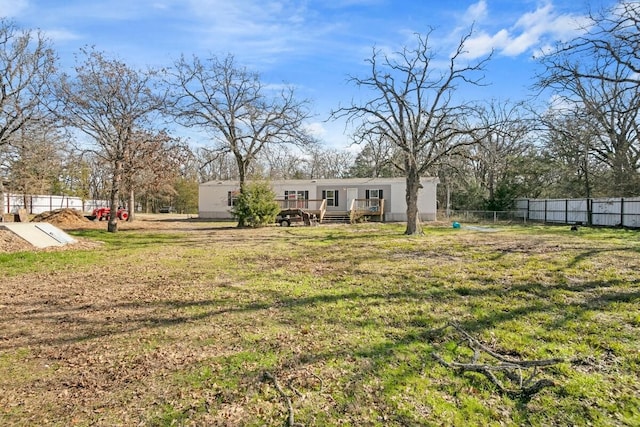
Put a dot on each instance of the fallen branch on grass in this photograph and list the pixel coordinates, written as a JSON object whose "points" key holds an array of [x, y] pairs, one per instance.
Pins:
{"points": [[267, 376], [511, 368]]}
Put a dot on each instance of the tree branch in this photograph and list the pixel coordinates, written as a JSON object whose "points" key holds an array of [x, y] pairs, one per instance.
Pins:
{"points": [[511, 368]]}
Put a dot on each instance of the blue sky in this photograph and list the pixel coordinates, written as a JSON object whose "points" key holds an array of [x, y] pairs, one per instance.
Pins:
{"points": [[313, 45]]}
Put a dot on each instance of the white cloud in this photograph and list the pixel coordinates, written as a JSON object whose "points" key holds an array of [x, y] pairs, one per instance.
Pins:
{"points": [[12, 8], [476, 12], [482, 43], [59, 35], [249, 28], [316, 129], [529, 33], [160, 6]]}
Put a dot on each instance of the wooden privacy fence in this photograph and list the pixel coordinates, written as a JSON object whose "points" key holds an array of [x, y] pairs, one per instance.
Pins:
{"points": [[609, 212]]}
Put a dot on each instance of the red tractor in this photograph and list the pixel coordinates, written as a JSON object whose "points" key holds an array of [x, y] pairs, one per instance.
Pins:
{"points": [[105, 213]]}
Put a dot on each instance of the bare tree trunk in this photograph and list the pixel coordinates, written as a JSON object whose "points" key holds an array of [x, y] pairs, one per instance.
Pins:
{"points": [[132, 205], [1, 200], [242, 176], [413, 186], [587, 178], [115, 195]]}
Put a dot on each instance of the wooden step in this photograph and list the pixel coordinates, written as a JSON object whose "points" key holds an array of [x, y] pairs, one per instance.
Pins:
{"points": [[336, 217]]}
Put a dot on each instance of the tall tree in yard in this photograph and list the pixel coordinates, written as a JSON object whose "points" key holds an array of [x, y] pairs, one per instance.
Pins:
{"points": [[597, 76], [109, 102], [502, 140], [376, 159], [568, 143], [237, 109], [36, 160], [152, 165], [413, 107], [26, 65]]}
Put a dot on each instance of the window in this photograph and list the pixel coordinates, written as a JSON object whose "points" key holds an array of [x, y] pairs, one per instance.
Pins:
{"points": [[296, 195], [331, 196], [232, 196], [297, 198], [374, 194], [373, 197]]}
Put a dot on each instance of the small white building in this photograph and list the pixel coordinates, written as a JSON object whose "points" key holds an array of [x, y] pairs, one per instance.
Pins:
{"points": [[380, 199]]}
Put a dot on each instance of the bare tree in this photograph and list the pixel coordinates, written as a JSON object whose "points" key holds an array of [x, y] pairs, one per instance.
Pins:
{"points": [[283, 163], [501, 141], [596, 75], [376, 158], [413, 107], [568, 144], [152, 164], [213, 165], [241, 114], [326, 163], [96, 174], [612, 33], [109, 102], [26, 64], [36, 159]]}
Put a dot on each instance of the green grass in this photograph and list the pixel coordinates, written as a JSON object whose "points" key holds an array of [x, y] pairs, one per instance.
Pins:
{"points": [[178, 328]]}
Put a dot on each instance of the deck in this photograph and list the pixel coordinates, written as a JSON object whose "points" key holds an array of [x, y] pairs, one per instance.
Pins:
{"points": [[360, 209]]}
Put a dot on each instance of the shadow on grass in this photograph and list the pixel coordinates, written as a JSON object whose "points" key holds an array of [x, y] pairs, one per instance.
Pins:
{"points": [[165, 313], [406, 331]]}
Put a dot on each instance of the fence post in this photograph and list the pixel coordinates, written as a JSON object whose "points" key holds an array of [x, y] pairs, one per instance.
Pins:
{"points": [[589, 212], [566, 211], [545, 210], [621, 211]]}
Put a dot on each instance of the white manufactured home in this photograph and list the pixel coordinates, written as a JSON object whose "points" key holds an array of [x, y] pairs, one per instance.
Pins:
{"points": [[376, 199]]}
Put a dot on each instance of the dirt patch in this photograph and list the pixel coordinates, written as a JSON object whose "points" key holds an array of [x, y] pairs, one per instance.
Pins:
{"points": [[62, 218], [9, 242]]}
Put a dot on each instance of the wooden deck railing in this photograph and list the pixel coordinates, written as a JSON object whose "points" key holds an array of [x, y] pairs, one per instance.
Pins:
{"points": [[317, 207], [359, 207], [366, 208]]}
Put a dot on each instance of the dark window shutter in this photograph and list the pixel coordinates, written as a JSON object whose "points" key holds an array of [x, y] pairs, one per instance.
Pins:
{"points": [[366, 194], [380, 194], [335, 198], [324, 194], [228, 198]]}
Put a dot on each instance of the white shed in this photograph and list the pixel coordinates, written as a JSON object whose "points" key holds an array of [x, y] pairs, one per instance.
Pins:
{"points": [[381, 198]]}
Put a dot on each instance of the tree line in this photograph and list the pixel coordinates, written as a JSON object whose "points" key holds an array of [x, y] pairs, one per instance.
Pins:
{"points": [[108, 131]]}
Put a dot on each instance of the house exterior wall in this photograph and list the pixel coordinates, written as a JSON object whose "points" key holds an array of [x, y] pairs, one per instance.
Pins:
{"points": [[214, 195]]}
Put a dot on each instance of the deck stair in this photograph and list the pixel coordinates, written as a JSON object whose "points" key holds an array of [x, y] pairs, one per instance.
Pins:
{"points": [[334, 217]]}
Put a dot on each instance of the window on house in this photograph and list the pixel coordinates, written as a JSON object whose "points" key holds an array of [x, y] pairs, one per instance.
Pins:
{"points": [[296, 195], [232, 196], [374, 194], [373, 197], [297, 198], [331, 196]]}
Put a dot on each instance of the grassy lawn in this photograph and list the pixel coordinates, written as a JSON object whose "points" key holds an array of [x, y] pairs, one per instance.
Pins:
{"points": [[192, 325]]}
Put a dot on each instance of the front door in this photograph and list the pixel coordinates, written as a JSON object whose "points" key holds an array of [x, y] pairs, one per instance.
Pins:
{"points": [[352, 194]]}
